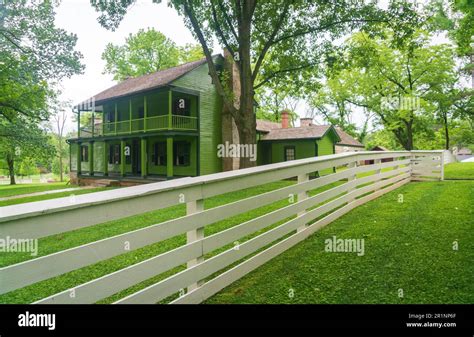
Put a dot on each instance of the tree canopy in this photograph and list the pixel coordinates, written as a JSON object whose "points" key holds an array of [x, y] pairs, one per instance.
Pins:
{"points": [[35, 56], [146, 52], [296, 33]]}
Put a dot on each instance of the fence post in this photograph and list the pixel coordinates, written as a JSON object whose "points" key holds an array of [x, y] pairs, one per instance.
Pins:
{"points": [[378, 171], [194, 235], [412, 159], [352, 177], [441, 158], [302, 196]]}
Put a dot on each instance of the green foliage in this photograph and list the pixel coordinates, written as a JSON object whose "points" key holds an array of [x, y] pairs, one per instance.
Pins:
{"points": [[403, 84], [146, 52], [35, 55]]}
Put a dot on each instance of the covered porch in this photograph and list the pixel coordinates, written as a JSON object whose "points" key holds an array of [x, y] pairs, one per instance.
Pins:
{"points": [[151, 156]]}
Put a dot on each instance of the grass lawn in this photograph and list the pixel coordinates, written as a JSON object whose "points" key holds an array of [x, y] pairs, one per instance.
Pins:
{"points": [[10, 190], [408, 248], [459, 171], [51, 196]]}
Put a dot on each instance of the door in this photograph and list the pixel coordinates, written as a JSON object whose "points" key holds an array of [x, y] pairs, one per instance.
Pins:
{"points": [[136, 156]]}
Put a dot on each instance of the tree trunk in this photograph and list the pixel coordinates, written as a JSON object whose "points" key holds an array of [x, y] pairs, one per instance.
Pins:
{"points": [[409, 140], [11, 169], [246, 124], [247, 137], [446, 132]]}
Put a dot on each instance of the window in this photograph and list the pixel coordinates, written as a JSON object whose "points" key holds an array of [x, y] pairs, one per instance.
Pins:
{"points": [[182, 151], [159, 154], [141, 112], [289, 153], [182, 107], [114, 154], [84, 153]]}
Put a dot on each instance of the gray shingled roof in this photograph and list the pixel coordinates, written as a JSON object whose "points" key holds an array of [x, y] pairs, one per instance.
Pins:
{"points": [[347, 139], [147, 82], [313, 131], [266, 126]]}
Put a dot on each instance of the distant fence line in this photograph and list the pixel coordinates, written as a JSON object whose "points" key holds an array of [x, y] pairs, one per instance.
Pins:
{"points": [[300, 219]]}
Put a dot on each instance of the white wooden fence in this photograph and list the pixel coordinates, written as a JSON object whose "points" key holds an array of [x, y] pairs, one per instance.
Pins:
{"points": [[306, 215]]}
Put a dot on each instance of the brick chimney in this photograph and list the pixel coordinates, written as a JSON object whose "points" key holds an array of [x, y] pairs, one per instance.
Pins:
{"points": [[307, 121], [285, 119]]}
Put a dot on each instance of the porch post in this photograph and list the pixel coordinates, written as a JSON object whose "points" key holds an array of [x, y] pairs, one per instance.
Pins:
{"points": [[115, 121], [145, 113], [78, 155], [93, 123], [106, 159], [144, 156], [170, 109], [169, 157], [130, 114], [78, 123], [91, 158], [122, 158]]}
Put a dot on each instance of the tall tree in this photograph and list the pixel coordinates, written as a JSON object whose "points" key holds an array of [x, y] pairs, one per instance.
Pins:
{"points": [[35, 55], [57, 126], [395, 82], [145, 52], [22, 139], [294, 31]]}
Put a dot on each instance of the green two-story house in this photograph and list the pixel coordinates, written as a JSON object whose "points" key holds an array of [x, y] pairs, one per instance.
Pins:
{"points": [[170, 123], [162, 125]]}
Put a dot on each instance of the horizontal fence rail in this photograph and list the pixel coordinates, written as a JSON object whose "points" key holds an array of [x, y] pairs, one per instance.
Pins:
{"points": [[362, 177]]}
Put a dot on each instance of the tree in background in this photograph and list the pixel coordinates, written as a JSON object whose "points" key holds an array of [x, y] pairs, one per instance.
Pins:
{"points": [[146, 52], [456, 17], [295, 33], [57, 127], [23, 141], [395, 80], [35, 55]]}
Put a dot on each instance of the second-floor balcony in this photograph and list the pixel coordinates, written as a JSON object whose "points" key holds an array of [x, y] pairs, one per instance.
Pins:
{"points": [[156, 123], [153, 112]]}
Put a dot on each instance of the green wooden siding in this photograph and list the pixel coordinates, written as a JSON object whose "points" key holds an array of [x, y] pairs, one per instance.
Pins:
{"points": [[210, 106], [326, 147], [303, 149]]}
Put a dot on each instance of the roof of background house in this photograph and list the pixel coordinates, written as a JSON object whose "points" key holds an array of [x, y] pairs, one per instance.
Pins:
{"points": [[347, 139], [266, 126], [313, 131], [379, 148], [147, 82], [464, 151]]}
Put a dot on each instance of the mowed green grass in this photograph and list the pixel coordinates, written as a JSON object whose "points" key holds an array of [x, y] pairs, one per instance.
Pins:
{"points": [[17, 201], [459, 171], [11, 190], [408, 252]]}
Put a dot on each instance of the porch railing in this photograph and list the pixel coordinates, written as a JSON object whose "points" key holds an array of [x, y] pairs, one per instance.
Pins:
{"points": [[155, 123], [203, 277]]}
